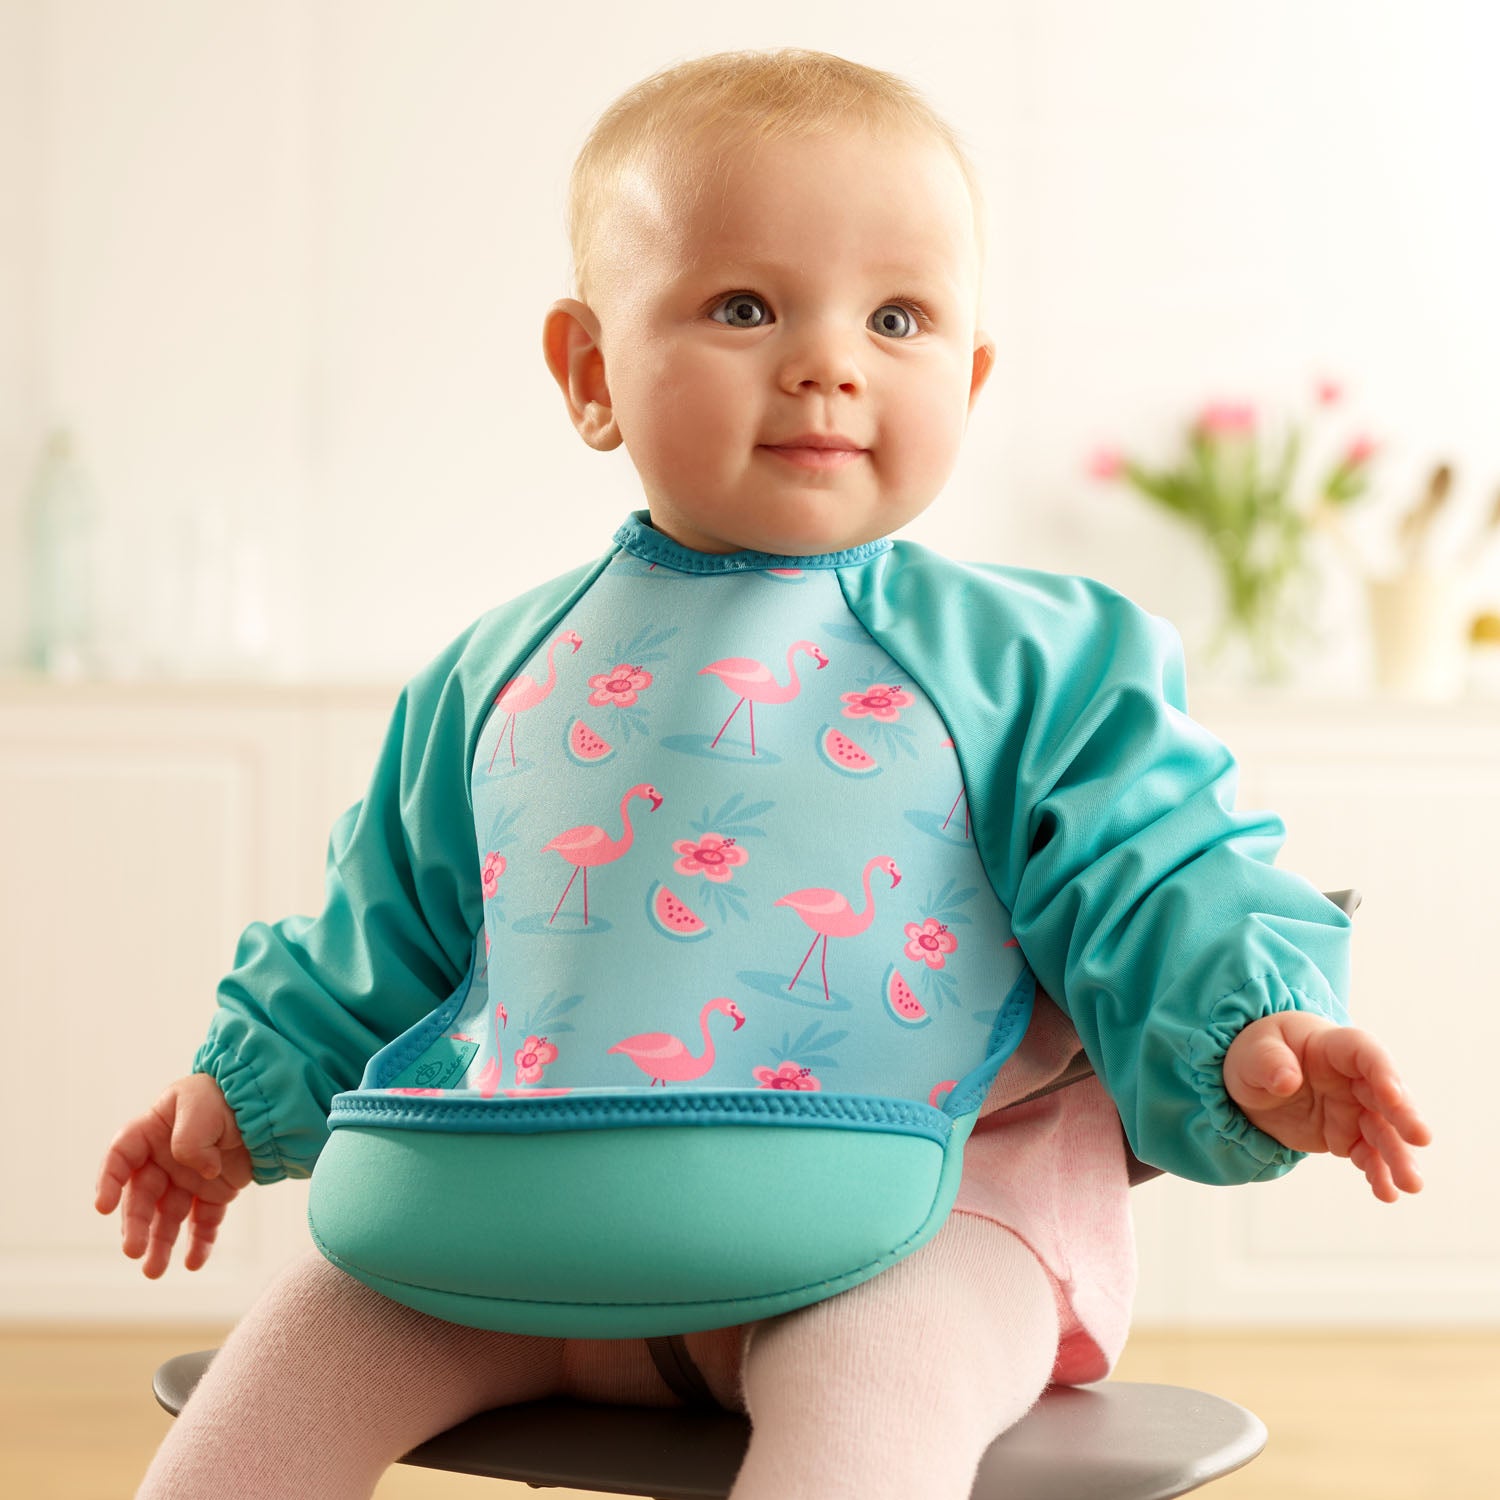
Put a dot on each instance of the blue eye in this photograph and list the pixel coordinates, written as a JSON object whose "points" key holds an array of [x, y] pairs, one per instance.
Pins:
{"points": [[743, 305], [739, 303], [883, 320]]}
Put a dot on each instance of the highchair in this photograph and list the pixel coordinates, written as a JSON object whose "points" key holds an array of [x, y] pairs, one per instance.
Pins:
{"points": [[1116, 1440]]}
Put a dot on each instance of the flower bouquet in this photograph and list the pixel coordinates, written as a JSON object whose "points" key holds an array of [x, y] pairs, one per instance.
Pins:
{"points": [[1241, 489]]}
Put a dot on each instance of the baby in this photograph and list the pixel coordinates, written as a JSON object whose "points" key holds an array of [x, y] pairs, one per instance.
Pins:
{"points": [[973, 788]]}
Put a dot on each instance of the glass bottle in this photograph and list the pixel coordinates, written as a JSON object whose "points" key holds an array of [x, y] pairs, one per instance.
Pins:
{"points": [[62, 512]]}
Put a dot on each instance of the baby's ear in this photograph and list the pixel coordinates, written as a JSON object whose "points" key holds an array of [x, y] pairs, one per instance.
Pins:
{"points": [[984, 364], [570, 343]]}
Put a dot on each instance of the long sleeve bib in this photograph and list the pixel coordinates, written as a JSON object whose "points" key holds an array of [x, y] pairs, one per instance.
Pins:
{"points": [[695, 904], [740, 967]]}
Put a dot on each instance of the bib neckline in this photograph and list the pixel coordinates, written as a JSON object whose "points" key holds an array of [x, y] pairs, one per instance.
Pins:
{"points": [[641, 539]]}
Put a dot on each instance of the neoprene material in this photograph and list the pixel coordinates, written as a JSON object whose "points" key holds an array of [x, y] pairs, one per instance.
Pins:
{"points": [[682, 1228], [826, 823]]}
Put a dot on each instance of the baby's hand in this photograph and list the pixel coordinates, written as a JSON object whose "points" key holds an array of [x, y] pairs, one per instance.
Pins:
{"points": [[182, 1158], [1318, 1086]]}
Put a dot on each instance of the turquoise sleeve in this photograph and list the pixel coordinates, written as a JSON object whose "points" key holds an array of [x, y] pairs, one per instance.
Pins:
{"points": [[310, 1000], [1148, 908]]}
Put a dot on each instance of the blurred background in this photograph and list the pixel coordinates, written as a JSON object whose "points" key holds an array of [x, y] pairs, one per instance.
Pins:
{"points": [[275, 426], [280, 269]]}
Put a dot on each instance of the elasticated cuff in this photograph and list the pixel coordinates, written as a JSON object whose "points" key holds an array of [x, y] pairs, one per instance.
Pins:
{"points": [[1261, 995], [252, 1111]]}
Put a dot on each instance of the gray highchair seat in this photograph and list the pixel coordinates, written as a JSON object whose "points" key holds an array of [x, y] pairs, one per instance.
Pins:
{"points": [[1117, 1440]]}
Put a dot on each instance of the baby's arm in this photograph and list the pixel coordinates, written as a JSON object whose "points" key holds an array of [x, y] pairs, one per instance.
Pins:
{"points": [[183, 1158], [1316, 1086]]}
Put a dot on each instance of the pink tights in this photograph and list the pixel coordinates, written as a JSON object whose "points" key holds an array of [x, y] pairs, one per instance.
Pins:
{"points": [[892, 1389]]}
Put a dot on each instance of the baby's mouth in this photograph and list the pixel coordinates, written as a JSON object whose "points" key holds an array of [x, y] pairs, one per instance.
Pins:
{"points": [[816, 458]]}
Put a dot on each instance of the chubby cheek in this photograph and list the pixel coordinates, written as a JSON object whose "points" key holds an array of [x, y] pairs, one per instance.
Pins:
{"points": [[920, 439], [690, 422]]}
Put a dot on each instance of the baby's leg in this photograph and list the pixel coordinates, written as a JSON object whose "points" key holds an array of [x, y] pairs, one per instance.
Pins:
{"points": [[896, 1387], [325, 1383]]}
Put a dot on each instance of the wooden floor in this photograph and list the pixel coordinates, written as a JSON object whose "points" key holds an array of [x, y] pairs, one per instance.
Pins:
{"points": [[1351, 1416]]}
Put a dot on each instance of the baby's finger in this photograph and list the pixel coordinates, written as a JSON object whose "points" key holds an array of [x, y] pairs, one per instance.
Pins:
{"points": [[142, 1194], [196, 1130], [1385, 1094], [110, 1184], [1267, 1071], [170, 1213], [204, 1220], [1361, 1058], [127, 1153], [1386, 1139], [1377, 1173]]}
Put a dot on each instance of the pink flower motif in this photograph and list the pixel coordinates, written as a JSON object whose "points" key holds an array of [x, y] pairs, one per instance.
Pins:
{"points": [[533, 1058], [1330, 392], [931, 943], [494, 868], [1360, 449], [716, 857], [880, 701], [620, 686], [787, 1076]]}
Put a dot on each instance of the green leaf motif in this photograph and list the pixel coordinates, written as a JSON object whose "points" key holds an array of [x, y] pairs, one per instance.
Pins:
{"points": [[812, 1048], [540, 1022], [937, 985], [944, 906], [644, 646], [501, 828], [733, 821]]}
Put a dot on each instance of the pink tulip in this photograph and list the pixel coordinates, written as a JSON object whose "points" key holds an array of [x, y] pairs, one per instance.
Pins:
{"points": [[1107, 463], [1330, 393], [1359, 450], [1224, 417]]}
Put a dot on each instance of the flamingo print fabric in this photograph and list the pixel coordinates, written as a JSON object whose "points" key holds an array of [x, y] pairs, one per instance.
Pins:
{"points": [[724, 847]]}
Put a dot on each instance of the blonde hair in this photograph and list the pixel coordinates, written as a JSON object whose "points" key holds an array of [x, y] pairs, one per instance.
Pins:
{"points": [[727, 99]]}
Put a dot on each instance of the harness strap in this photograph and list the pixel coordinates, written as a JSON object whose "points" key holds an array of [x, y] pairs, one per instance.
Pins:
{"points": [[676, 1367]]}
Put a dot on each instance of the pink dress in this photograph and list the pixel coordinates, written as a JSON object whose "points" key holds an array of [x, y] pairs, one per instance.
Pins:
{"points": [[1054, 1172]]}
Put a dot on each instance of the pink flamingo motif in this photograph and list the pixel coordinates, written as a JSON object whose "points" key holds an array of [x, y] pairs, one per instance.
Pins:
{"points": [[752, 680], [829, 914], [524, 692], [588, 845], [664, 1058]]}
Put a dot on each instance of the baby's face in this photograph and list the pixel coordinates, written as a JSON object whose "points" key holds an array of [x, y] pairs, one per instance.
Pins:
{"points": [[823, 286]]}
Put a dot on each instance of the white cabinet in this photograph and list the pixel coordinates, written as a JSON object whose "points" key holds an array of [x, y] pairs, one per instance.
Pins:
{"points": [[144, 826], [142, 829], [1402, 803]]}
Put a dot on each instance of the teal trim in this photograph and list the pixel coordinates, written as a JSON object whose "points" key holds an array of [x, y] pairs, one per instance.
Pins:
{"points": [[387, 1064], [1009, 1026], [634, 1107], [638, 537], [580, 1234]]}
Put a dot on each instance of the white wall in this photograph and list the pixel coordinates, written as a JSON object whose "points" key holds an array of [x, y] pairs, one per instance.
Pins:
{"points": [[283, 265]]}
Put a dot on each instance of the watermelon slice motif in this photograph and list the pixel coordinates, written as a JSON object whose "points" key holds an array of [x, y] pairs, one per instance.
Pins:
{"points": [[673, 917], [900, 1002], [586, 746], [840, 752]]}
